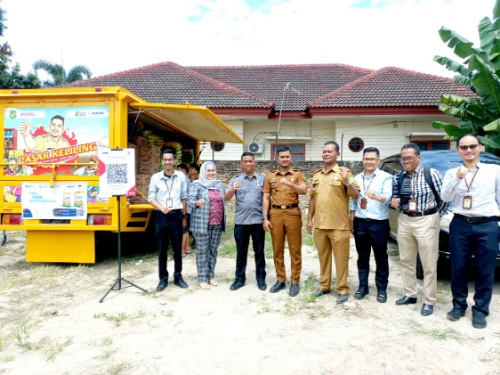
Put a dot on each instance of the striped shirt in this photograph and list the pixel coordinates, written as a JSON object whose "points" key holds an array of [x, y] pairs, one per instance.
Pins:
{"points": [[415, 187]]}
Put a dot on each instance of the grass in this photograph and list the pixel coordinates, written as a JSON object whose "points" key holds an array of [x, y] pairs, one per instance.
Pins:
{"points": [[115, 318], [440, 334]]}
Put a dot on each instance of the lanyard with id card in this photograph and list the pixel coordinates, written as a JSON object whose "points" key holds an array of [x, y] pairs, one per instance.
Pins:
{"points": [[170, 201], [467, 200], [364, 202]]}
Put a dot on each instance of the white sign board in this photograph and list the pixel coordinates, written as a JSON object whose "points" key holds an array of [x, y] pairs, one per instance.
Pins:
{"points": [[117, 172]]}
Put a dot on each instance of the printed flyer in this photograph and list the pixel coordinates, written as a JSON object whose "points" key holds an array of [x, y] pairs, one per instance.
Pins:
{"points": [[62, 201]]}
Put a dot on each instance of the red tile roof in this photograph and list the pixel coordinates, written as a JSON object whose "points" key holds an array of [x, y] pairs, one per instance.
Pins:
{"points": [[174, 84], [392, 87], [307, 82], [315, 87]]}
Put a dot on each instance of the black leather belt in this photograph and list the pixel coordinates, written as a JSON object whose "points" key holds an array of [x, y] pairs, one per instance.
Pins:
{"points": [[286, 206], [172, 212], [422, 213], [476, 219], [368, 219]]}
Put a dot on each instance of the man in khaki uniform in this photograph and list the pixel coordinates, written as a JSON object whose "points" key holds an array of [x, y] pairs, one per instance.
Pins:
{"points": [[50, 141], [329, 207], [282, 217]]}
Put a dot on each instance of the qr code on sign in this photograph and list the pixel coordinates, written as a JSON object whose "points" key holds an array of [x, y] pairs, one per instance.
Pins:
{"points": [[117, 174]]}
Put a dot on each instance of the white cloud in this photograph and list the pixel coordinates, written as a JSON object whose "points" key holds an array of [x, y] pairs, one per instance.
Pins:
{"points": [[114, 35]]}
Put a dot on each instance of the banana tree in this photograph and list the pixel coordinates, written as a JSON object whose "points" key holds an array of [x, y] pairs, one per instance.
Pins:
{"points": [[480, 72]]}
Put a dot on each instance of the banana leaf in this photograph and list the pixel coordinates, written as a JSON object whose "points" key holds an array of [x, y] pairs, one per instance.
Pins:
{"points": [[486, 83], [451, 129]]}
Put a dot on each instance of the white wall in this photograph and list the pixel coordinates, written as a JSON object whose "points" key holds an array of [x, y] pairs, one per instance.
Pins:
{"points": [[387, 133]]}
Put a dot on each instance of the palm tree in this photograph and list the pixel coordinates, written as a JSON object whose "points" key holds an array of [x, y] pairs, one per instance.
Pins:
{"points": [[58, 73]]}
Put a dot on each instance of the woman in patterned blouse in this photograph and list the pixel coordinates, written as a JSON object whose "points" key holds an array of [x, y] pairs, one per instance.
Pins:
{"points": [[206, 199]]}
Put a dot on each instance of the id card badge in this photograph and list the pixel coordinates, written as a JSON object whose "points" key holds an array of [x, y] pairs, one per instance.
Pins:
{"points": [[363, 203], [467, 202], [170, 202], [412, 205]]}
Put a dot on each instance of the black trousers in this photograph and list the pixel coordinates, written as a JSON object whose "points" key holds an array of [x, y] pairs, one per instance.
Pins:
{"points": [[242, 234], [169, 229], [480, 239], [370, 234]]}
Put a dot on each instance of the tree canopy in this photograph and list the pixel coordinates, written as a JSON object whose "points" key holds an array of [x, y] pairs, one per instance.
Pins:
{"points": [[11, 77]]}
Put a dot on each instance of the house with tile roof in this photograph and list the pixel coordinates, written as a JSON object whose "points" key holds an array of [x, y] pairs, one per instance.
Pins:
{"points": [[302, 106]]}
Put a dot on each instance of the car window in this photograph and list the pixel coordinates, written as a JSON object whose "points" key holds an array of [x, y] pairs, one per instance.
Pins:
{"points": [[387, 166]]}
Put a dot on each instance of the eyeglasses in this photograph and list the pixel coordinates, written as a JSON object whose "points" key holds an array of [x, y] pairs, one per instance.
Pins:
{"points": [[408, 158], [465, 147], [370, 160]]}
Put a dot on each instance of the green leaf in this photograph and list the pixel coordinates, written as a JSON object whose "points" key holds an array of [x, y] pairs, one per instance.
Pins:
{"points": [[450, 129], [486, 83], [460, 45], [495, 125]]}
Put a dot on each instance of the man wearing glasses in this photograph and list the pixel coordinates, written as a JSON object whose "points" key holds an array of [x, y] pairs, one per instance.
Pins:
{"points": [[474, 190], [370, 223], [168, 194], [418, 226]]}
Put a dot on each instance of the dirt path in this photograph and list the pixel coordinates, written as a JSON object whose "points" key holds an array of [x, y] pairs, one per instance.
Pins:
{"points": [[51, 322]]}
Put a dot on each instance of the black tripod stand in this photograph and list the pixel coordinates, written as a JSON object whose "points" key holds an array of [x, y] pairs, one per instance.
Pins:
{"points": [[118, 281]]}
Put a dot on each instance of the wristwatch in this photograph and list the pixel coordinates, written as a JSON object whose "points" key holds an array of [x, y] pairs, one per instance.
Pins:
{"points": [[264, 217]]}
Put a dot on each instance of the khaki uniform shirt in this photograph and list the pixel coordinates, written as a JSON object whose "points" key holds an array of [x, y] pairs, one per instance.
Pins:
{"points": [[44, 142], [331, 199], [282, 194]]}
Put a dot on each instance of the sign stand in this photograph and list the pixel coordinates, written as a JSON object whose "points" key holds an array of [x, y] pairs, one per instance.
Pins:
{"points": [[119, 279]]}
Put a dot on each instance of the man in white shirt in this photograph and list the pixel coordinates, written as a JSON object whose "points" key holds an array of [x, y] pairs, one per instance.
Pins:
{"points": [[168, 194], [474, 192], [370, 223]]}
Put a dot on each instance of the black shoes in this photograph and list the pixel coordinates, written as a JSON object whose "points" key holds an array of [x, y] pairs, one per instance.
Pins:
{"points": [[179, 281], [342, 298], [382, 296], [478, 321], [294, 289], [261, 284], [162, 285], [361, 292], [320, 293], [405, 300], [455, 314], [277, 287], [237, 284], [427, 309]]}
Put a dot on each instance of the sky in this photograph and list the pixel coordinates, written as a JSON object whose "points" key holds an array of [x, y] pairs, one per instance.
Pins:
{"points": [[109, 36]]}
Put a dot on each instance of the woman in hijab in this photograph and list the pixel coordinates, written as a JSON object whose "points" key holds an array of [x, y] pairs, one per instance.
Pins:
{"points": [[206, 199]]}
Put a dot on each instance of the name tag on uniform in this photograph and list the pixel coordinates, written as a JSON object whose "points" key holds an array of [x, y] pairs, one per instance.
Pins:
{"points": [[363, 203], [335, 181], [467, 202], [412, 205]]}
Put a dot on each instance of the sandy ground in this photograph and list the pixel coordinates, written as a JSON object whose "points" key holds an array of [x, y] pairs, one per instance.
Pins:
{"points": [[51, 322]]}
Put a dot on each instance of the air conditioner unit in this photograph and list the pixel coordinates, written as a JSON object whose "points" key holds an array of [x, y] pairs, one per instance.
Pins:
{"points": [[256, 148]]}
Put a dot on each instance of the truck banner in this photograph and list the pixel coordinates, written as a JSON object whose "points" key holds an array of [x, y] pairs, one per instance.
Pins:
{"points": [[62, 201], [55, 135]]}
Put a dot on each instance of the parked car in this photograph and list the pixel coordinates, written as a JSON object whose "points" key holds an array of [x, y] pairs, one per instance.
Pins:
{"points": [[442, 161]]}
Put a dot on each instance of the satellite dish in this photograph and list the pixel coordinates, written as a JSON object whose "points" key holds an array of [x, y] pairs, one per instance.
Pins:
{"points": [[217, 146]]}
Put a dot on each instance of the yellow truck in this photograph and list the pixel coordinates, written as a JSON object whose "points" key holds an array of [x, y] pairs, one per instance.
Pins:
{"points": [[54, 140]]}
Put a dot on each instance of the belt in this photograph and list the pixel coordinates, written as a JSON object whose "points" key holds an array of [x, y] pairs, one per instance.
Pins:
{"points": [[286, 206], [476, 219], [422, 213], [368, 219], [172, 212]]}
